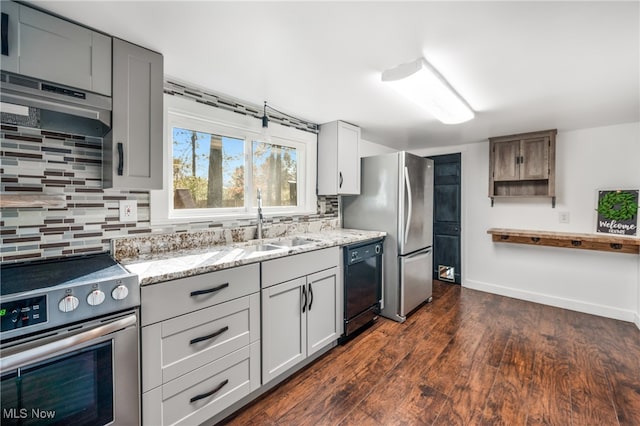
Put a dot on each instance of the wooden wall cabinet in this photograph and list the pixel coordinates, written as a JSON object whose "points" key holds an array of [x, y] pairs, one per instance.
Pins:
{"points": [[523, 165]]}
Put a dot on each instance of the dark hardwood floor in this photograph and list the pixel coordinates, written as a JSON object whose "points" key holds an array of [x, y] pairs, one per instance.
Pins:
{"points": [[468, 358]]}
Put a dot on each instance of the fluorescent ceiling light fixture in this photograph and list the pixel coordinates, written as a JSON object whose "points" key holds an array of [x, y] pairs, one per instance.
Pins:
{"points": [[422, 84]]}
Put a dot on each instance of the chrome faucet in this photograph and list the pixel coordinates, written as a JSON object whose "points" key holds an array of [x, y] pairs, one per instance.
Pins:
{"points": [[260, 216]]}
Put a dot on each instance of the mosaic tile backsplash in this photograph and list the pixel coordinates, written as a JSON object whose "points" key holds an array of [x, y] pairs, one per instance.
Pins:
{"points": [[34, 161]]}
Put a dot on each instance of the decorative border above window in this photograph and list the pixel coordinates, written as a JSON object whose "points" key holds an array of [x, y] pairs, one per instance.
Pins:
{"points": [[175, 88]]}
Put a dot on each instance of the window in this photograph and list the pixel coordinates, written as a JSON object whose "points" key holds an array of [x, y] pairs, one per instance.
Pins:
{"points": [[218, 162], [208, 170]]}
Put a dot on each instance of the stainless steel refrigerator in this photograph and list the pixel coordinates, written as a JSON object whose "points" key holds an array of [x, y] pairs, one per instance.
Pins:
{"points": [[397, 197]]}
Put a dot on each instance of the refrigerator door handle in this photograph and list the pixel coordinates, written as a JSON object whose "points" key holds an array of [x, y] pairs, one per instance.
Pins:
{"points": [[410, 206]]}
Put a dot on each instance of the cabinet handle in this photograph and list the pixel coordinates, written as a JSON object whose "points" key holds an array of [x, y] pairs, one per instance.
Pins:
{"points": [[210, 336], [205, 395], [120, 158], [517, 160], [304, 298], [521, 159], [5, 34], [340, 185], [209, 290], [310, 296]]}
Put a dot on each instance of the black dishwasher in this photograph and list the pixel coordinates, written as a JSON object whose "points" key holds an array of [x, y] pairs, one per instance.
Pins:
{"points": [[362, 285]]}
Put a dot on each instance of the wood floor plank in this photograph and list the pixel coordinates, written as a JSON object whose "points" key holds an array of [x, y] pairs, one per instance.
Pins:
{"points": [[468, 358], [509, 394]]}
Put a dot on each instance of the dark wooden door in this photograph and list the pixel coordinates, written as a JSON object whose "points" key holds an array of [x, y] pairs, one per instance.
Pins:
{"points": [[446, 218]]}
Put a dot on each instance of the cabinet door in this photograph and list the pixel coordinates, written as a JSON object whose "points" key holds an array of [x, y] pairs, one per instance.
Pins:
{"points": [[10, 43], [323, 314], [535, 158], [505, 160], [135, 147], [59, 51], [348, 159], [284, 331]]}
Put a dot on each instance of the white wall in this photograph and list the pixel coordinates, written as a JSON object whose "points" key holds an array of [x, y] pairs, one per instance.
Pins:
{"points": [[369, 149], [595, 282]]}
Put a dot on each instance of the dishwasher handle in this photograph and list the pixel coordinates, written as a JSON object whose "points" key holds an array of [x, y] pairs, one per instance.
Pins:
{"points": [[41, 352]]}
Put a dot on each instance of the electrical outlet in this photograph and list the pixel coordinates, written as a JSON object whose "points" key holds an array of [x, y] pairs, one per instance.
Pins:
{"points": [[128, 211], [564, 217]]}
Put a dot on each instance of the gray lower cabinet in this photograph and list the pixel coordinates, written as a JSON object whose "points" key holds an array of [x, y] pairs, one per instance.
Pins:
{"points": [[133, 150], [43, 46], [301, 308], [200, 345]]}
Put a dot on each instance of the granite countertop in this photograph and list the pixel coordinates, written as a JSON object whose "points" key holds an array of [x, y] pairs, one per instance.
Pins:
{"points": [[185, 263]]}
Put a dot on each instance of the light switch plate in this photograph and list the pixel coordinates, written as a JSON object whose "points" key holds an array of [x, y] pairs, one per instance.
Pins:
{"points": [[128, 211]]}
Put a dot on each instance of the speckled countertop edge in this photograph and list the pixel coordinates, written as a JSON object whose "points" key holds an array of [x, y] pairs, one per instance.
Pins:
{"points": [[172, 265]]}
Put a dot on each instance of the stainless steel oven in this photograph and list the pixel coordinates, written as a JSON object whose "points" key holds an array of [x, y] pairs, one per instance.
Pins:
{"points": [[70, 352]]}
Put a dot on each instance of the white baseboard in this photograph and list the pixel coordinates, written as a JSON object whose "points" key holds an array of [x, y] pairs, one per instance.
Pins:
{"points": [[637, 320], [558, 302]]}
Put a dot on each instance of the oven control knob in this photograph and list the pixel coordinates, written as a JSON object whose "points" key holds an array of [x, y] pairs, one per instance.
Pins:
{"points": [[68, 303], [120, 292], [95, 298]]}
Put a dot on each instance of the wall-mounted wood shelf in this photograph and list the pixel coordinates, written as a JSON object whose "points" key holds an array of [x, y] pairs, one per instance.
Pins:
{"points": [[601, 242]]}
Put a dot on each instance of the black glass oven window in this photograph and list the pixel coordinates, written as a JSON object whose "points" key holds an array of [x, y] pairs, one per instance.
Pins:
{"points": [[71, 389]]}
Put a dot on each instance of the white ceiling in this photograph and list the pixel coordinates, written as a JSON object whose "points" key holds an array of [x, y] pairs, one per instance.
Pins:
{"points": [[522, 66]]}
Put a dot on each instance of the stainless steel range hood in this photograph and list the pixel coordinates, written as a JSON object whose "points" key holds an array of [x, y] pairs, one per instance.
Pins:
{"points": [[53, 107]]}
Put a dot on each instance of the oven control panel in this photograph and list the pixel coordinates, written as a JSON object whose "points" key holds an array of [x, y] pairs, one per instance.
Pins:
{"points": [[23, 313]]}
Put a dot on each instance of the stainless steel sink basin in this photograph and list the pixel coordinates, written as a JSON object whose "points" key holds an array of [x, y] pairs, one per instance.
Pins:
{"points": [[293, 242], [261, 247]]}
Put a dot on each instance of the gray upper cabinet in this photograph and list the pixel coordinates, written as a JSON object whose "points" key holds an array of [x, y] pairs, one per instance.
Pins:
{"points": [[133, 151], [42, 46], [338, 159]]}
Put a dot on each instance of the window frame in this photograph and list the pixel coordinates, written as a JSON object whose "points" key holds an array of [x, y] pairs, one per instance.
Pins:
{"points": [[181, 112]]}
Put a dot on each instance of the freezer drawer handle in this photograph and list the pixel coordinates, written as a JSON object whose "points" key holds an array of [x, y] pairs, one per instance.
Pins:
{"points": [[340, 186], [209, 290], [205, 395], [210, 336]]}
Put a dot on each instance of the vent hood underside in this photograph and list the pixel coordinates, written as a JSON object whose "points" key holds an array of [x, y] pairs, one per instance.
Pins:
{"points": [[53, 107]]}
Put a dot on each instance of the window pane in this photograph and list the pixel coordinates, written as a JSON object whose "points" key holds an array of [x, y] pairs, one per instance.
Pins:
{"points": [[275, 172], [208, 170]]}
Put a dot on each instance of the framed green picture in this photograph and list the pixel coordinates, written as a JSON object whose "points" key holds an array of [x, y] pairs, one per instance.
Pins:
{"points": [[618, 212]]}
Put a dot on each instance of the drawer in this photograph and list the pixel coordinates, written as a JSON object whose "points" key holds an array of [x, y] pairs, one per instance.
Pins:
{"points": [[177, 346], [235, 376], [291, 267], [176, 297]]}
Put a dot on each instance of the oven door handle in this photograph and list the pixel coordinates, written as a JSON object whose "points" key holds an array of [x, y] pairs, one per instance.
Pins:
{"points": [[39, 353]]}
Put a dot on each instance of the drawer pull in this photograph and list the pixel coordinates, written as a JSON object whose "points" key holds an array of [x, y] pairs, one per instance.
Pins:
{"points": [[210, 336], [616, 246], [504, 237], [205, 395], [209, 290], [576, 243]]}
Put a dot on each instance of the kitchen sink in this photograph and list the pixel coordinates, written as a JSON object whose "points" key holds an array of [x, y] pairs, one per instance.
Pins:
{"points": [[262, 247], [293, 242]]}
